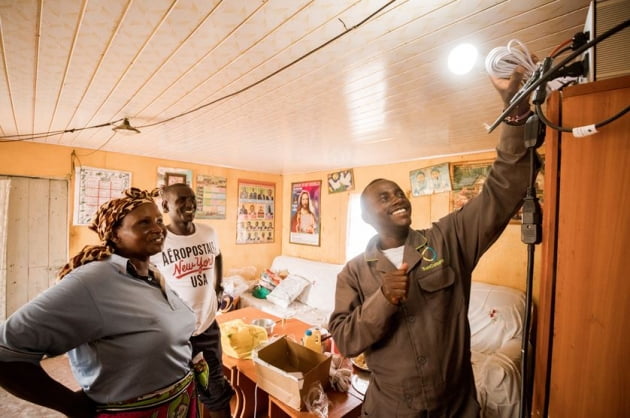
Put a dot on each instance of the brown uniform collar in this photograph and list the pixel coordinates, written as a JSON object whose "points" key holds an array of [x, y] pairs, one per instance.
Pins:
{"points": [[415, 243]]}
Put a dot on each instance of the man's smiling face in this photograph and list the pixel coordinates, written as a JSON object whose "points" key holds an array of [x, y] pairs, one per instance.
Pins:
{"points": [[386, 207], [181, 204]]}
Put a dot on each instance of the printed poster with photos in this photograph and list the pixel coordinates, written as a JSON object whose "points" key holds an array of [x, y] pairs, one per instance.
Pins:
{"points": [[305, 213], [429, 180], [255, 223], [468, 180], [211, 192], [95, 186]]}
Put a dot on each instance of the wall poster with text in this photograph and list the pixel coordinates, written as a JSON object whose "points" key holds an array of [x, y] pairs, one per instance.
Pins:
{"points": [[95, 186], [211, 192], [305, 213], [255, 220]]}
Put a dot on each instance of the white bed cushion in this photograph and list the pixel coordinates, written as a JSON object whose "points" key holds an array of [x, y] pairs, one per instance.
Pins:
{"points": [[496, 315], [303, 312], [288, 290], [292, 311], [497, 378], [323, 277]]}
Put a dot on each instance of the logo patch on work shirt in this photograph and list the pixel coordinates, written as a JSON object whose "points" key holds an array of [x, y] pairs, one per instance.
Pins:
{"points": [[429, 255]]}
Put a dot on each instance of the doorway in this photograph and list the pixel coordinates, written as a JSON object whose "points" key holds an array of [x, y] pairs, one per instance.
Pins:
{"points": [[33, 237]]}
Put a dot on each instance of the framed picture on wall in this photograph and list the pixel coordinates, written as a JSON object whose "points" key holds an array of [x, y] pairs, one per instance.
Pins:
{"points": [[340, 181], [419, 183], [429, 180], [305, 213], [467, 180], [174, 178], [255, 223], [167, 176]]}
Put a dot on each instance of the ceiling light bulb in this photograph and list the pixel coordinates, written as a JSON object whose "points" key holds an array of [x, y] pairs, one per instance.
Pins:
{"points": [[462, 59]]}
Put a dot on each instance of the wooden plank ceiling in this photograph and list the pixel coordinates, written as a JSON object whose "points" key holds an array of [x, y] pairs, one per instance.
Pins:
{"points": [[249, 98]]}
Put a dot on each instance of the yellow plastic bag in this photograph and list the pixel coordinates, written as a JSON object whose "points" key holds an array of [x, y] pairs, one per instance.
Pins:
{"points": [[238, 339]]}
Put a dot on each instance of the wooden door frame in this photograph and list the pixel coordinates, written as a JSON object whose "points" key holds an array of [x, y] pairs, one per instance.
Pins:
{"points": [[36, 242]]}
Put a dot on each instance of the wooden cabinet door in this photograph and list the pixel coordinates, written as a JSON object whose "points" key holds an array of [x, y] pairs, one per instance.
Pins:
{"points": [[589, 372]]}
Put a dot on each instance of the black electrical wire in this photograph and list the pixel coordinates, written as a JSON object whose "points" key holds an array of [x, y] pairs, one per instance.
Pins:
{"points": [[567, 83], [268, 76], [574, 43], [561, 48], [552, 125], [547, 75], [562, 51], [99, 147], [531, 234], [525, 404], [26, 137]]}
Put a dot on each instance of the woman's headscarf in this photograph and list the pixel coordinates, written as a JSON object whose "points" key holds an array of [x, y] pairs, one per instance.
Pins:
{"points": [[108, 216]]}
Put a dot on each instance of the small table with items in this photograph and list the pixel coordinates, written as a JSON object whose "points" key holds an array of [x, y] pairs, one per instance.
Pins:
{"points": [[252, 401]]}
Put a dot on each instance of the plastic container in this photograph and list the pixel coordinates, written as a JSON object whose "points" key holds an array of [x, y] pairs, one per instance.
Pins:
{"points": [[313, 339]]}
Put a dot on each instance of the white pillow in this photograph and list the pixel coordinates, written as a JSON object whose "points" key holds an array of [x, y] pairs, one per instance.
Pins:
{"points": [[288, 290]]}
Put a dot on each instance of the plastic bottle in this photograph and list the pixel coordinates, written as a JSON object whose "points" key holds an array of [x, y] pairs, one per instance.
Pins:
{"points": [[313, 339]]}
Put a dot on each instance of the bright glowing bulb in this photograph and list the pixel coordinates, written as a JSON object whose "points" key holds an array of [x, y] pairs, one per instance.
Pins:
{"points": [[462, 59]]}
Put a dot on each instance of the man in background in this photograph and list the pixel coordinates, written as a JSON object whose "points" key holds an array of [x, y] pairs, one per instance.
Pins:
{"points": [[191, 263]]}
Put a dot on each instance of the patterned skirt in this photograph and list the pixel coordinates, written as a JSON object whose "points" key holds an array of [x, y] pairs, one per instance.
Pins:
{"points": [[178, 400]]}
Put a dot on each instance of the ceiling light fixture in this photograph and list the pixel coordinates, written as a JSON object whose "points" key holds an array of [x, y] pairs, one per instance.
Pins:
{"points": [[125, 128], [462, 59]]}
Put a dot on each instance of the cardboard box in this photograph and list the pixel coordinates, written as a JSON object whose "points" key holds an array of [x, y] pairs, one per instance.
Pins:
{"points": [[287, 370]]}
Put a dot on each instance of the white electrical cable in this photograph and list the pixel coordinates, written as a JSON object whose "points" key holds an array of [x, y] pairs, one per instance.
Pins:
{"points": [[501, 61], [256, 398]]}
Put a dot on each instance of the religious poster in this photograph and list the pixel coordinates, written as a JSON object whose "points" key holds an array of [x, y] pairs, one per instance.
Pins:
{"points": [[211, 192], [95, 186], [255, 220], [305, 213]]}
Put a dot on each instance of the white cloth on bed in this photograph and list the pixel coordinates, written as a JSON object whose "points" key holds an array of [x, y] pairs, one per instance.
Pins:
{"points": [[496, 316]]}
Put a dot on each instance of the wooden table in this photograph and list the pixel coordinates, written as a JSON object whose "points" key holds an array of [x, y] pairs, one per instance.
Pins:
{"points": [[252, 401]]}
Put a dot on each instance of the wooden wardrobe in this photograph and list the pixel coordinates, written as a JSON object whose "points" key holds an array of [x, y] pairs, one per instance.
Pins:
{"points": [[582, 354]]}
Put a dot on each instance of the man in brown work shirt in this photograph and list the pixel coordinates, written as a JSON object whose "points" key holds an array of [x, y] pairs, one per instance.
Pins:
{"points": [[404, 301]]}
